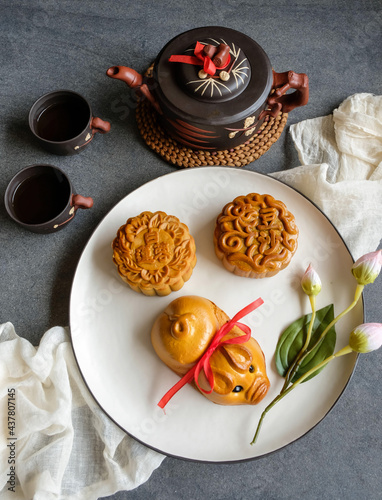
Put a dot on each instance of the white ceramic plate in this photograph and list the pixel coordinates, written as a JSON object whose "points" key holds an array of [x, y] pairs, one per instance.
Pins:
{"points": [[111, 324]]}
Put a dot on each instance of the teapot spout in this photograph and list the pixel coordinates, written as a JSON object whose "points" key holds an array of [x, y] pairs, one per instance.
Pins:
{"points": [[128, 75], [135, 81]]}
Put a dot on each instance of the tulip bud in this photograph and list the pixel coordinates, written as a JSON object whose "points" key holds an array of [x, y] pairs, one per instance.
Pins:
{"points": [[367, 268], [366, 337], [310, 282]]}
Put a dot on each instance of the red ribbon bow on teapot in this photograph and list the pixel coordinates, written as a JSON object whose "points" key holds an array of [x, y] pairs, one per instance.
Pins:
{"points": [[203, 57], [204, 361]]}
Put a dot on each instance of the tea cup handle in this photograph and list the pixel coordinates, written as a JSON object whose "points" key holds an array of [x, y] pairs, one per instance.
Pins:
{"points": [[79, 201], [98, 125]]}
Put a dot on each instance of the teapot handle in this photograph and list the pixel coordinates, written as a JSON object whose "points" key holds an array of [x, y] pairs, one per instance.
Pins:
{"points": [[279, 101]]}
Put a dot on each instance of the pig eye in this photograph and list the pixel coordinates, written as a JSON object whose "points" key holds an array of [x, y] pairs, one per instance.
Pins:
{"points": [[251, 369], [238, 388]]}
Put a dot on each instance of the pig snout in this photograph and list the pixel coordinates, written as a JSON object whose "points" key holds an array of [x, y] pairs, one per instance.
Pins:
{"points": [[257, 391]]}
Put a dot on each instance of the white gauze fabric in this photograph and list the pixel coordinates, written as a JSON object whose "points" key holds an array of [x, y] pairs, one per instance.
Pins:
{"points": [[341, 171], [65, 446]]}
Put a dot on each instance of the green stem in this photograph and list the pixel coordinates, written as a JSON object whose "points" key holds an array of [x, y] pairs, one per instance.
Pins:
{"points": [[341, 352], [297, 362]]}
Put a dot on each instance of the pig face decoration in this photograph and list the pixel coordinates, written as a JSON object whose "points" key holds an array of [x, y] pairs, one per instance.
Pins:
{"points": [[183, 333]]}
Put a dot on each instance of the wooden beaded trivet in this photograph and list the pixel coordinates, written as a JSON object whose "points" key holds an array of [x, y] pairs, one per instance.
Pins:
{"points": [[179, 155]]}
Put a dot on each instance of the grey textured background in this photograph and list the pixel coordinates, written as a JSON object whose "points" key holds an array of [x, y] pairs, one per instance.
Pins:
{"points": [[48, 45]]}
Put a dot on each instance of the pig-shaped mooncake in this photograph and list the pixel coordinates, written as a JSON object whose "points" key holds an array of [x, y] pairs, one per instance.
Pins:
{"points": [[182, 334]]}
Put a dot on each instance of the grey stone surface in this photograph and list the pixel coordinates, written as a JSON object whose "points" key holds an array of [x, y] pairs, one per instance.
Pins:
{"points": [[47, 45]]}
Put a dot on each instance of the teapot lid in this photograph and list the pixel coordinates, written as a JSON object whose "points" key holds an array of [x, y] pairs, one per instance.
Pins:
{"points": [[214, 66], [220, 82]]}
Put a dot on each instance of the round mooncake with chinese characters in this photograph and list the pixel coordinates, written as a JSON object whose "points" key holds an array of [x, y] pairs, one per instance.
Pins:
{"points": [[154, 253], [255, 236]]}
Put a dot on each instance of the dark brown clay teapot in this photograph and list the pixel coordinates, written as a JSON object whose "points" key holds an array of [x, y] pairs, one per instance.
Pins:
{"points": [[213, 87]]}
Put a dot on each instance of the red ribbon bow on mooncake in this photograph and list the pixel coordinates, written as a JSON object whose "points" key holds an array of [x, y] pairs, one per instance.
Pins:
{"points": [[199, 58], [204, 361]]}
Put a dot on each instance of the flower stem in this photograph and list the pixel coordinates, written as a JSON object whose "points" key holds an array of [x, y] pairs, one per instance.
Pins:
{"points": [[341, 352]]}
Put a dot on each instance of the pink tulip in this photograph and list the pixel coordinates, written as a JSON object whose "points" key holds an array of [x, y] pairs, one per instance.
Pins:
{"points": [[310, 282], [367, 268], [366, 337]]}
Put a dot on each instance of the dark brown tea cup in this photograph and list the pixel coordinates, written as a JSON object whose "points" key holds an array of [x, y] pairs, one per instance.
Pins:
{"points": [[40, 198], [63, 122]]}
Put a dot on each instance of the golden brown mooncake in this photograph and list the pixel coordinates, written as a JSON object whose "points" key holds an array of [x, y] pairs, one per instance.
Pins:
{"points": [[183, 332], [154, 253], [255, 236]]}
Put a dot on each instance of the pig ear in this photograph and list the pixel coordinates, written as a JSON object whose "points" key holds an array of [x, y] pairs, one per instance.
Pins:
{"points": [[238, 356], [223, 382]]}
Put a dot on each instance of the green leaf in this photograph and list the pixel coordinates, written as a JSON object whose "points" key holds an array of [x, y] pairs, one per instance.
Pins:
{"points": [[293, 339]]}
